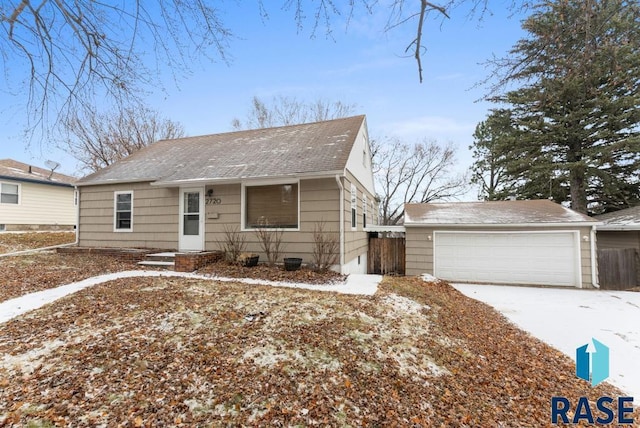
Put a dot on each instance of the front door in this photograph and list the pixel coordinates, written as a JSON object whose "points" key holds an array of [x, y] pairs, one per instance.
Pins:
{"points": [[191, 219]]}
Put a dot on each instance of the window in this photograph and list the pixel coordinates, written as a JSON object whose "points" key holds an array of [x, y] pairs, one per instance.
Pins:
{"points": [[9, 193], [354, 202], [364, 210], [274, 206], [123, 212]]}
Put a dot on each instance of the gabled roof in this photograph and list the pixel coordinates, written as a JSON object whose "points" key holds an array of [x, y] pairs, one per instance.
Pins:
{"points": [[287, 151], [627, 219], [493, 213], [14, 170]]}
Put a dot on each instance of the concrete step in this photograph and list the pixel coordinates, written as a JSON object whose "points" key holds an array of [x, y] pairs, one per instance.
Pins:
{"points": [[161, 257], [157, 263]]}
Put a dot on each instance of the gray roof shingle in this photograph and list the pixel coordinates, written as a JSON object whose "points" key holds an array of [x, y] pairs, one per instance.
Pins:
{"points": [[492, 213], [270, 152], [15, 170], [627, 219]]}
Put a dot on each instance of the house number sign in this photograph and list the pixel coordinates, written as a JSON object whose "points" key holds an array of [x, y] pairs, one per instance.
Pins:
{"points": [[213, 201]]}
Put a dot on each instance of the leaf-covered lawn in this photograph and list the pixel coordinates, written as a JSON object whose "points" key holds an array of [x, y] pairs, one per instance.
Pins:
{"points": [[25, 274], [175, 352], [12, 242]]}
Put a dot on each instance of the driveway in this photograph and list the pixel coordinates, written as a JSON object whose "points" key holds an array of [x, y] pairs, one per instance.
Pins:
{"points": [[569, 318]]}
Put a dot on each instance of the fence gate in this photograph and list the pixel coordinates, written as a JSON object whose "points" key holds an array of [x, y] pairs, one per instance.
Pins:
{"points": [[386, 255], [617, 268]]}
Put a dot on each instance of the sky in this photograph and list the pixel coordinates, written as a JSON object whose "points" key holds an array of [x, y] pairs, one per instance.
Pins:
{"points": [[360, 64]]}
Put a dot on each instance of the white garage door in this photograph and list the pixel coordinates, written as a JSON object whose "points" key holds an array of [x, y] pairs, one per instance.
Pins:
{"points": [[507, 257]]}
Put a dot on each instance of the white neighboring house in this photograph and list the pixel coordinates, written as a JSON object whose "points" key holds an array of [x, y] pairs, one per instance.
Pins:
{"points": [[33, 198]]}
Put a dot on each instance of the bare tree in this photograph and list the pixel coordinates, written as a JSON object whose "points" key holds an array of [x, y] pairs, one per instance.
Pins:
{"points": [[77, 51], [282, 111], [99, 139], [418, 172]]}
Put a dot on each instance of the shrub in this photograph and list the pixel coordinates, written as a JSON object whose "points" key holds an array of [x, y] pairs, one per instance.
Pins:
{"points": [[270, 239], [325, 247], [234, 244]]}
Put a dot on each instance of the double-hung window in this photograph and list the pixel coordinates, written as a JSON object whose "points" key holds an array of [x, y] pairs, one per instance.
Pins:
{"points": [[123, 211], [354, 206], [364, 210], [271, 206], [9, 193]]}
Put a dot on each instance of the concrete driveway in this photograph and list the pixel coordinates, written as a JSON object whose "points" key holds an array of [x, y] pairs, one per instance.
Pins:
{"points": [[569, 318]]}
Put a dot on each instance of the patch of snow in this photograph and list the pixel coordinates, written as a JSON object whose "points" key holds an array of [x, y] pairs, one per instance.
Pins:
{"points": [[30, 360], [428, 278], [402, 305], [567, 319]]}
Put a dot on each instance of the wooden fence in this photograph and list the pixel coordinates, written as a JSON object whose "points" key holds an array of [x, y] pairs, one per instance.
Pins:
{"points": [[617, 268], [386, 255]]}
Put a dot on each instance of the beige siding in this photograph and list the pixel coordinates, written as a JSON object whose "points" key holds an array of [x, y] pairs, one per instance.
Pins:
{"points": [[40, 204], [619, 239], [319, 201], [356, 240], [419, 249], [155, 217]]}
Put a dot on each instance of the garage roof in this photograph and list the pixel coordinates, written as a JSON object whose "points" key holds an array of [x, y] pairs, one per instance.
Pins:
{"points": [[494, 213], [628, 219]]}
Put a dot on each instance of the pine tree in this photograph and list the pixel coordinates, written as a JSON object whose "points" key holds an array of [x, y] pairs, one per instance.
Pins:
{"points": [[577, 112]]}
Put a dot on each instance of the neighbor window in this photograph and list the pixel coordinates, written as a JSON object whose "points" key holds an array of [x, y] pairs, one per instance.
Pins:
{"points": [[123, 208], [273, 206], [354, 206], [9, 193]]}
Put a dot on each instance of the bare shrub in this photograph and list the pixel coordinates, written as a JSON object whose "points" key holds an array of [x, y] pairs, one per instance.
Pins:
{"points": [[270, 239], [325, 247], [233, 244]]}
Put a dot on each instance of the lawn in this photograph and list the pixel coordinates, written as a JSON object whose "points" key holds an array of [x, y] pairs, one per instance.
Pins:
{"points": [[11, 242], [177, 352]]}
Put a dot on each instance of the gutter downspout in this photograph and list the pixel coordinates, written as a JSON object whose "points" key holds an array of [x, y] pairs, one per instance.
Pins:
{"points": [[594, 272], [341, 187]]}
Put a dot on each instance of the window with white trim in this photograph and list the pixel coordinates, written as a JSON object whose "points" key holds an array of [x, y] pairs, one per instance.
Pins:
{"points": [[9, 193], [123, 211], [271, 206], [354, 206], [364, 210]]}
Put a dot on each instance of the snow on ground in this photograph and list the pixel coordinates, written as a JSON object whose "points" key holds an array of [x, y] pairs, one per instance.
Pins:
{"points": [[569, 318], [355, 284]]}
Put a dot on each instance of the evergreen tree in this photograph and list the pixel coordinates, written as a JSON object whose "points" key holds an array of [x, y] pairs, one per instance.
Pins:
{"points": [[576, 114]]}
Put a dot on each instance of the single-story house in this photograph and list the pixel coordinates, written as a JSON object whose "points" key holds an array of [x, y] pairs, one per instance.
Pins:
{"points": [[535, 242], [183, 194], [33, 198], [621, 230]]}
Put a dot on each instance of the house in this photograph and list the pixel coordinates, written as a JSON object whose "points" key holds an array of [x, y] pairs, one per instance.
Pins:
{"points": [[534, 242], [33, 198], [621, 230], [183, 194]]}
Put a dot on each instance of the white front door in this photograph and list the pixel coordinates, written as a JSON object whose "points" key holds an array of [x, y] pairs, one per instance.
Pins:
{"points": [[191, 220]]}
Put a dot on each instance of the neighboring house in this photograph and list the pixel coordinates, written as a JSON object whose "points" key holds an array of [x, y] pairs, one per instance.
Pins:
{"points": [[534, 242], [33, 198], [183, 194], [621, 230]]}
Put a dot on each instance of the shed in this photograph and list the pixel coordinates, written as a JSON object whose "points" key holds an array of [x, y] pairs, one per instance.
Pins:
{"points": [[536, 242], [620, 230]]}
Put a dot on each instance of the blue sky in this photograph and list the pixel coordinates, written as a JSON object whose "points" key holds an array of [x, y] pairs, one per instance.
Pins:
{"points": [[361, 65]]}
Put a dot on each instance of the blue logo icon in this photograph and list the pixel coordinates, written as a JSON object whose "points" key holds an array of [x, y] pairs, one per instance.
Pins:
{"points": [[592, 362]]}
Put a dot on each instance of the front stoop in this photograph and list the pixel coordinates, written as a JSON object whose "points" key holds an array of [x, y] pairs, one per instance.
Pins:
{"points": [[159, 260], [181, 262]]}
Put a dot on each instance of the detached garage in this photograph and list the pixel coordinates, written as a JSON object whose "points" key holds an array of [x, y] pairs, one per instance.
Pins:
{"points": [[503, 242]]}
